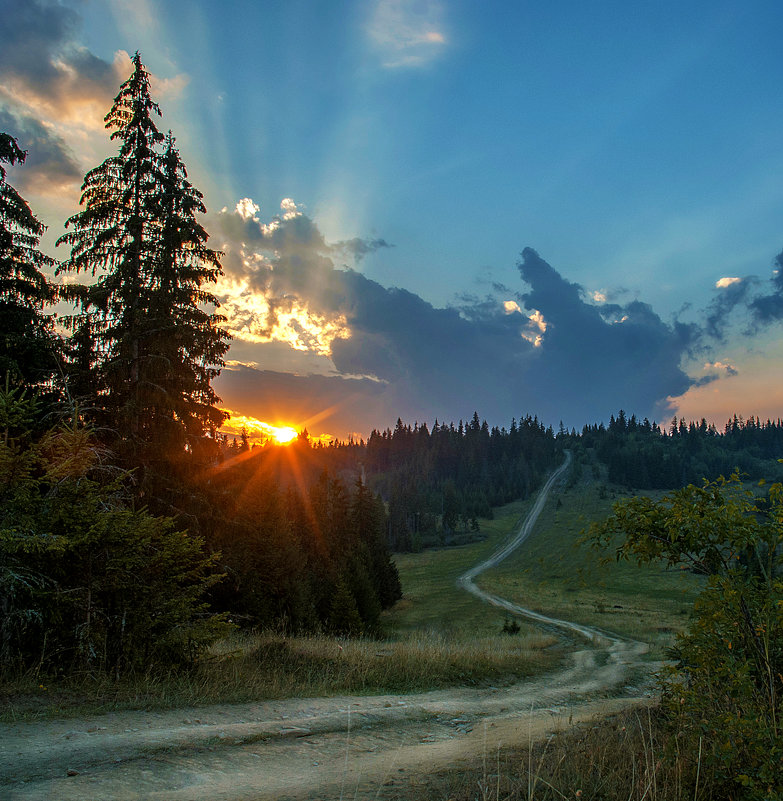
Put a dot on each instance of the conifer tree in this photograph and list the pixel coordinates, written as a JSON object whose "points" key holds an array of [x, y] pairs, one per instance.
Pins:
{"points": [[186, 344], [27, 342], [156, 347]]}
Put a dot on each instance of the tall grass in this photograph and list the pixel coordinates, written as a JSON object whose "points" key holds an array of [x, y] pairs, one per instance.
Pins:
{"points": [[247, 667], [627, 757]]}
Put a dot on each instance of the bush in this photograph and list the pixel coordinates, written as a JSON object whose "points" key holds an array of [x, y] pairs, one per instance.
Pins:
{"points": [[510, 626], [724, 696]]}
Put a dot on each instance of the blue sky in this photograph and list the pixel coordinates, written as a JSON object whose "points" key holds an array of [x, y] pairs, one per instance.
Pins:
{"points": [[417, 148]]}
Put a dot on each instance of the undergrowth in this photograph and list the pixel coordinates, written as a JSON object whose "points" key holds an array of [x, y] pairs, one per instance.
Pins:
{"points": [[245, 668], [631, 756]]}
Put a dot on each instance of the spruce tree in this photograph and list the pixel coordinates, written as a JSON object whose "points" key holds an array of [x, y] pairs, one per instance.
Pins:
{"points": [[143, 321], [27, 342], [190, 345]]}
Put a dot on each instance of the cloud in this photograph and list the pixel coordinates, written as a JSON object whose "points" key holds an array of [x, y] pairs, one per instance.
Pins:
{"points": [[43, 68], [722, 283], [536, 329], [723, 367], [358, 248], [247, 209], [549, 352], [768, 308], [319, 403], [589, 364], [715, 371], [733, 292], [407, 33], [50, 166], [759, 302]]}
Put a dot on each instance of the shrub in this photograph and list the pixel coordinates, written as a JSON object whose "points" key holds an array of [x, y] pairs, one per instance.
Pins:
{"points": [[724, 694]]}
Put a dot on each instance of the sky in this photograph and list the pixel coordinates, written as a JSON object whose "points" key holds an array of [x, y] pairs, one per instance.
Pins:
{"points": [[428, 208]]}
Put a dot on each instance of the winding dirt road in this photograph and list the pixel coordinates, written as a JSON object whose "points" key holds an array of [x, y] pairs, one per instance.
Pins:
{"points": [[319, 748]]}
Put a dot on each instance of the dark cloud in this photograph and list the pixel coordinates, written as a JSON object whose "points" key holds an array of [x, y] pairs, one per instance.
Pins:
{"points": [[768, 308], [588, 365], [757, 303], [423, 362], [40, 59], [358, 248], [474, 307], [726, 300], [50, 164]]}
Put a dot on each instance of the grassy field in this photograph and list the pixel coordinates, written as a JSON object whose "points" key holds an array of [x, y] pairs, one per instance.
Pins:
{"points": [[437, 636], [253, 667], [550, 573], [431, 600], [553, 574]]}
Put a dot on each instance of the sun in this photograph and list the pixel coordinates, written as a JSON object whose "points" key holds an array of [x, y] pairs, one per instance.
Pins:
{"points": [[257, 431], [282, 435]]}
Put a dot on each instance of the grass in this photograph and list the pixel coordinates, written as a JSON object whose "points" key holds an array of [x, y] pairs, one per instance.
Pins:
{"points": [[621, 758], [432, 601], [437, 636], [246, 668], [553, 574]]}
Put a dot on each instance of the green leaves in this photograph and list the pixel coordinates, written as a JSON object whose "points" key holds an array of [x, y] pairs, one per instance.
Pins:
{"points": [[726, 691], [708, 529]]}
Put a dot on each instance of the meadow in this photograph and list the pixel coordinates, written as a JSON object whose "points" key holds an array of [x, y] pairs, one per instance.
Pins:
{"points": [[556, 573], [436, 636]]}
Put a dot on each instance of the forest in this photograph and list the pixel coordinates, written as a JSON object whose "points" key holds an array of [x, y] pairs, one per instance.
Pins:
{"points": [[132, 533], [127, 538]]}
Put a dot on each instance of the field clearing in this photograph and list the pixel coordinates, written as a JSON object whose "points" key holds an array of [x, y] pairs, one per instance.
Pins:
{"points": [[431, 599], [434, 609], [553, 574], [437, 636]]}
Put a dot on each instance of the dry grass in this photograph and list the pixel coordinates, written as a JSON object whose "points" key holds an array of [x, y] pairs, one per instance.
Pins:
{"points": [[621, 758], [256, 667]]}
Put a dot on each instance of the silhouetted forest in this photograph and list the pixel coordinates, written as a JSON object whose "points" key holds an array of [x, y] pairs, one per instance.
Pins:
{"points": [[129, 534], [644, 455], [438, 483]]}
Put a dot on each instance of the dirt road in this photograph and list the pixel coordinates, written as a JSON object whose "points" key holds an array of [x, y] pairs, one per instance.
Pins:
{"points": [[320, 748]]}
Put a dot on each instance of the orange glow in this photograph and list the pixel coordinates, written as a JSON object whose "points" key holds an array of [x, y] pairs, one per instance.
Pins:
{"points": [[253, 317], [284, 434], [258, 432]]}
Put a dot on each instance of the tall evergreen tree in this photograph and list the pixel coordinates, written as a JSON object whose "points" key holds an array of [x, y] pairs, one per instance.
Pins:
{"points": [[190, 345], [27, 342], [143, 320]]}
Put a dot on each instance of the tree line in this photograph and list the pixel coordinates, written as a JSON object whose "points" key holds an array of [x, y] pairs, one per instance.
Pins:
{"points": [[131, 534], [644, 455], [439, 482]]}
